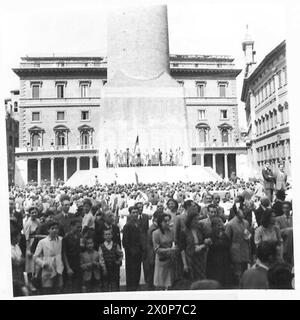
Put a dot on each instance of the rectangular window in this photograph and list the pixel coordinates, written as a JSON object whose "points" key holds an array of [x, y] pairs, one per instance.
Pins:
{"points": [[201, 115], [60, 115], [35, 116], [85, 115], [222, 90], [60, 90], [35, 91], [224, 114], [200, 89], [84, 90]]}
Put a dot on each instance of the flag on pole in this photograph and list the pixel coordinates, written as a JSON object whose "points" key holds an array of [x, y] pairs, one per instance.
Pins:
{"points": [[136, 144]]}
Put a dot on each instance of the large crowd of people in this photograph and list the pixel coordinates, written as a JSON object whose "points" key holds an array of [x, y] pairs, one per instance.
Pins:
{"points": [[220, 235]]}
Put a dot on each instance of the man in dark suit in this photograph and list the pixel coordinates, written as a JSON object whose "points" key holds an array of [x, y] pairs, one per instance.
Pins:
{"points": [[206, 223], [277, 205], [132, 243], [264, 204], [269, 180], [143, 224], [64, 218]]}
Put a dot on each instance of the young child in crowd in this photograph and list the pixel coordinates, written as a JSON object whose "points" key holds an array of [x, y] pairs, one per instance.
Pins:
{"points": [[91, 265], [112, 255]]}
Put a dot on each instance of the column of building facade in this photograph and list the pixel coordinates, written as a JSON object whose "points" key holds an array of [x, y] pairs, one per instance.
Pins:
{"points": [[77, 163], [226, 165], [39, 171], [65, 169], [214, 162], [202, 159], [52, 170], [91, 162]]}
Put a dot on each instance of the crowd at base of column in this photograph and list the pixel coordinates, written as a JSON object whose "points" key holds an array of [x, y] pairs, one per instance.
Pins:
{"points": [[220, 235]]}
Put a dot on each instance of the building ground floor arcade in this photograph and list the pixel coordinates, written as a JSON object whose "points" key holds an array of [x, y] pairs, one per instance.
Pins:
{"points": [[52, 168], [224, 161]]}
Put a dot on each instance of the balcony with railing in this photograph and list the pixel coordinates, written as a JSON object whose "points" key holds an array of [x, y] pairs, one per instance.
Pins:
{"points": [[54, 148], [32, 102], [216, 144]]}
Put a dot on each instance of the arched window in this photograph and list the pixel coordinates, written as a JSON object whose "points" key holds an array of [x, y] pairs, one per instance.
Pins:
{"points": [[225, 130], [203, 131], [36, 137], [61, 139], [281, 110], [86, 136], [225, 135], [61, 136]]}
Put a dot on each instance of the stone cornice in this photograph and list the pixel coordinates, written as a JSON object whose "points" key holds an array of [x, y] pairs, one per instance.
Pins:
{"points": [[223, 72], [101, 71], [21, 72]]}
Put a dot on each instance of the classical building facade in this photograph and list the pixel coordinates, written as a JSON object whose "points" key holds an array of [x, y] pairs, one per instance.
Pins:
{"points": [[60, 99], [12, 132], [267, 110]]}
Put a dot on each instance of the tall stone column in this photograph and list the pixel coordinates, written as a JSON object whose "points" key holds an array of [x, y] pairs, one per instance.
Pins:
{"points": [[77, 163], [39, 169], [65, 169], [52, 170], [226, 165], [91, 163], [214, 162], [202, 159]]}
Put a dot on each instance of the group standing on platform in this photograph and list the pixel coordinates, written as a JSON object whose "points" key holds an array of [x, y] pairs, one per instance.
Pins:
{"points": [[138, 158], [220, 235]]}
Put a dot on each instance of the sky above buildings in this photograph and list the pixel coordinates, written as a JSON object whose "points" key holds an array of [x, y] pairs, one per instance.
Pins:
{"points": [[68, 27]]}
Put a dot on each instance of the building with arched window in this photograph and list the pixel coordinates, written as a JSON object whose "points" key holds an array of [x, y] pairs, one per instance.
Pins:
{"points": [[60, 99], [267, 112]]}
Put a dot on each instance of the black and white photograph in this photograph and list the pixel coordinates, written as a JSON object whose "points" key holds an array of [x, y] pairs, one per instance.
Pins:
{"points": [[147, 148]]}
